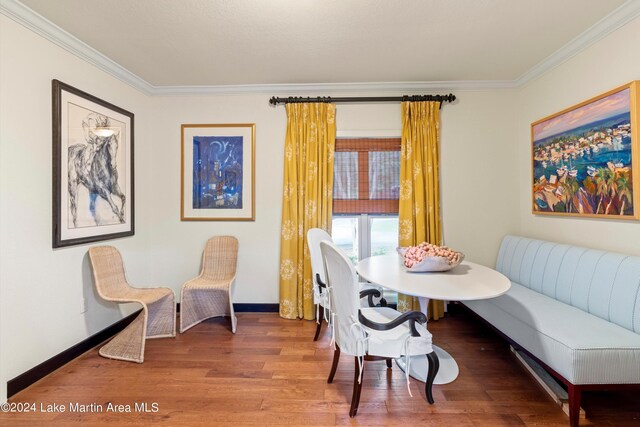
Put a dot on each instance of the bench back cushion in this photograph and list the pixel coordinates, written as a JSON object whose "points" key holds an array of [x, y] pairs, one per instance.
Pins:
{"points": [[605, 284]]}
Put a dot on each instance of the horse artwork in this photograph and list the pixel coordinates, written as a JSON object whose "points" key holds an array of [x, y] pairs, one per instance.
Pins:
{"points": [[93, 168], [93, 164]]}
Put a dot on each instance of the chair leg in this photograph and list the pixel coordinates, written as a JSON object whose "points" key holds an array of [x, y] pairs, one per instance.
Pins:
{"points": [[575, 394], [161, 317], [357, 388], [434, 366], [334, 366], [232, 315], [383, 302], [389, 363], [319, 325], [129, 343]]}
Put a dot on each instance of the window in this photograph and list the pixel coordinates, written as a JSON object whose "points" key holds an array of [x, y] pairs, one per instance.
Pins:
{"points": [[365, 196], [366, 176]]}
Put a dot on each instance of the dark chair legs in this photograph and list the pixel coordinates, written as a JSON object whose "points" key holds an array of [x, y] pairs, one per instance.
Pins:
{"points": [[319, 326], [434, 366], [357, 388], [334, 366], [383, 302], [389, 363]]}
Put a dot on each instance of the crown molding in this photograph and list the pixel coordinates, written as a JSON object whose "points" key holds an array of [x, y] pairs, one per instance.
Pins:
{"points": [[25, 16], [334, 87], [620, 16]]}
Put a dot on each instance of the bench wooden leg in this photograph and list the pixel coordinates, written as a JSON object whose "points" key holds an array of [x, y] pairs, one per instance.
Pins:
{"points": [[575, 394]]}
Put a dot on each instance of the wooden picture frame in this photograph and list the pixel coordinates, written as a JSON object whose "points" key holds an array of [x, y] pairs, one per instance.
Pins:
{"points": [[585, 158], [93, 168], [218, 172]]}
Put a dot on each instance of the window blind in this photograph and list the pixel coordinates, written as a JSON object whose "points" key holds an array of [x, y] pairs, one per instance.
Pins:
{"points": [[366, 176]]}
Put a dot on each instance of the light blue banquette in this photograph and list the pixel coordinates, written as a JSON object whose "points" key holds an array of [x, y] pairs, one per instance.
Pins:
{"points": [[574, 309]]}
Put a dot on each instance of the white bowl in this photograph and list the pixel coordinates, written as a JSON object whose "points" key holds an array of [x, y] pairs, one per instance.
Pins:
{"points": [[431, 263]]}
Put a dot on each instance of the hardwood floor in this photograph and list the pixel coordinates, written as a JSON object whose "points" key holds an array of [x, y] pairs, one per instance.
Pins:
{"points": [[272, 373]]}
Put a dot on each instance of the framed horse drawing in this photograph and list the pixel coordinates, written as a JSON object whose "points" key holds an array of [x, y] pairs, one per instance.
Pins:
{"points": [[92, 168]]}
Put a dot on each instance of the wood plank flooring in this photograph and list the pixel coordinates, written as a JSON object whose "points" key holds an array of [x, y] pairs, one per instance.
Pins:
{"points": [[272, 373]]}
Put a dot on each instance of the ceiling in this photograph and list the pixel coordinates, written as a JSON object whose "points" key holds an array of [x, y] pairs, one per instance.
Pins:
{"points": [[254, 42]]}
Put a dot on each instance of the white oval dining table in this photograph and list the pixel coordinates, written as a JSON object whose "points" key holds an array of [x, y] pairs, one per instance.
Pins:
{"points": [[467, 281]]}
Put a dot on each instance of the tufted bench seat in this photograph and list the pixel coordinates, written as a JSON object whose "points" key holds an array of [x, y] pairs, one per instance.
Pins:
{"points": [[575, 310]]}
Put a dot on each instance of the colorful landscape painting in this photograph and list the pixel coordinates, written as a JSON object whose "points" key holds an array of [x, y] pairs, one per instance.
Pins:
{"points": [[217, 172], [583, 158]]}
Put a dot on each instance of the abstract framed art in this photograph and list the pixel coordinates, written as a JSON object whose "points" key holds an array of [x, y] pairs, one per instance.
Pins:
{"points": [[218, 172], [93, 191], [586, 158]]}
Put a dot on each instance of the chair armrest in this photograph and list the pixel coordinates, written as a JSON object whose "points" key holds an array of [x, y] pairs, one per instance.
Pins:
{"points": [[320, 283], [370, 293], [411, 316]]}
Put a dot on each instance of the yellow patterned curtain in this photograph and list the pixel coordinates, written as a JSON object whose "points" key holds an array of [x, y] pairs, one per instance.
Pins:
{"points": [[307, 200], [419, 210]]}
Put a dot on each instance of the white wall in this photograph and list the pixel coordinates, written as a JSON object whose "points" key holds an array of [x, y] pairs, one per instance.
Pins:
{"points": [[605, 65], [478, 171], [176, 246], [476, 215], [41, 289]]}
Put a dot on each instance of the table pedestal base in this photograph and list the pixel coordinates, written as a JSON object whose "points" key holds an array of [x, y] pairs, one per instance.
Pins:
{"points": [[448, 367]]}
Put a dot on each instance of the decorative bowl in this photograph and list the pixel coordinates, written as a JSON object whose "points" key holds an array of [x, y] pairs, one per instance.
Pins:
{"points": [[431, 263]]}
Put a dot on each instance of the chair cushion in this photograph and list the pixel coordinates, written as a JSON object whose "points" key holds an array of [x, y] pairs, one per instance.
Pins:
{"points": [[581, 347], [391, 343]]}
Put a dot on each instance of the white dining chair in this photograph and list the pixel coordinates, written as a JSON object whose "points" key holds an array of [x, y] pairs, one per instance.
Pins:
{"points": [[320, 295], [371, 333]]}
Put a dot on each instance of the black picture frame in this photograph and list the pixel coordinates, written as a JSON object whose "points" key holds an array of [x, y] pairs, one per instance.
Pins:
{"points": [[93, 168]]}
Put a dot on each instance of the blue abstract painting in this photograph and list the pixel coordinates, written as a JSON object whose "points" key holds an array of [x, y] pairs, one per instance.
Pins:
{"points": [[217, 172]]}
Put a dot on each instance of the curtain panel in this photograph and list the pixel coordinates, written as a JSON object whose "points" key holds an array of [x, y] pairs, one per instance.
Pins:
{"points": [[306, 200], [419, 209]]}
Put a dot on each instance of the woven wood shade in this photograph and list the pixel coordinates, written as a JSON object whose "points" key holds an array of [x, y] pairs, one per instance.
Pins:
{"points": [[366, 176]]}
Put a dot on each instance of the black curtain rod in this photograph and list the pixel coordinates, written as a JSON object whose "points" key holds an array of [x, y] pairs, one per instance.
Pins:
{"points": [[298, 99]]}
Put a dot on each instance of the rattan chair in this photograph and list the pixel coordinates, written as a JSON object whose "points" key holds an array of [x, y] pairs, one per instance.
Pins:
{"points": [[371, 333], [209, 294], [158, 316]]}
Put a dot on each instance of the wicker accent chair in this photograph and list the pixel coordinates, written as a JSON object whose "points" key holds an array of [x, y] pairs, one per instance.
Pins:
{"points": [[371, 333], [158, 316], [209, 294]]}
